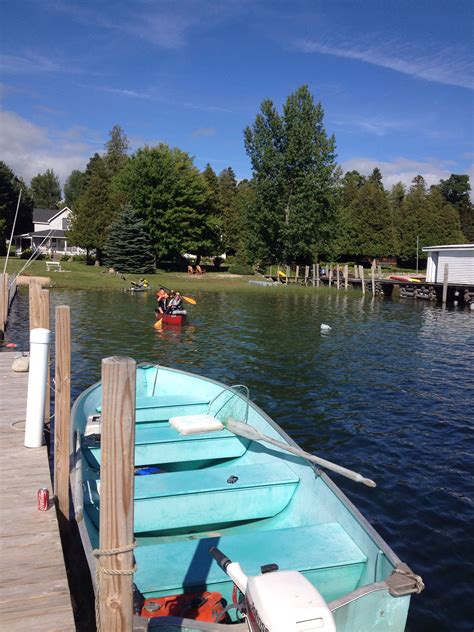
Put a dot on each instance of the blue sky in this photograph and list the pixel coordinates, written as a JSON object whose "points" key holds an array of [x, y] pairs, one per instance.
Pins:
{"points": [[395, 78]]}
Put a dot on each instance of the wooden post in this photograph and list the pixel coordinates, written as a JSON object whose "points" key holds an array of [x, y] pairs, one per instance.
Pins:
{"points": [[373, 278], [62, 405], [115, 592], [361, 273], [445, 282], [346, 276], [297, 273], [330, 276], [379, 269], [317, 275], [35, 304], [356, 271], [337, 276], [288, 272], [271, 269], [3, 301], [306, 274], [314, 274]]}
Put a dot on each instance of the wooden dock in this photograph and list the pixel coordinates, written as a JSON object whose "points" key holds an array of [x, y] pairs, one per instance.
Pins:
{"points": [[34, 591]]}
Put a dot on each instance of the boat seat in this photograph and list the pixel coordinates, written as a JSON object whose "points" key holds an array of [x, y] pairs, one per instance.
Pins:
{"points": [[160, 445], [324, 553], [162, 407], [200, 498]]}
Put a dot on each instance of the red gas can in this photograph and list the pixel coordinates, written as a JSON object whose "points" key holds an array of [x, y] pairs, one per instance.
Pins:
{"points": [[203, 606]]}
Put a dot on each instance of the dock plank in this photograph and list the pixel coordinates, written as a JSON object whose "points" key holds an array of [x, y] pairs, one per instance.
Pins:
{"points": [[34, 591]]}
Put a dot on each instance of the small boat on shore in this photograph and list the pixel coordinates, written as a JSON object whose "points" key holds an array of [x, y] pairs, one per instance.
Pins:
{"points": [[235, 526]]}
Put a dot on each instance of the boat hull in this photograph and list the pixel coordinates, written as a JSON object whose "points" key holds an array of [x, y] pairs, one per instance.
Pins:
{"points": [[176, 320], [260, 505]]}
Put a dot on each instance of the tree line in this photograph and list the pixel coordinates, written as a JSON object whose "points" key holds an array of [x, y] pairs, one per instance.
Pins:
{"points": [[136, 210]]}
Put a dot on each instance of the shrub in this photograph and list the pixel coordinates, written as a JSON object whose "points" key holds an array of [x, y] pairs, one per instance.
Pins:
{"points": [[65, 258], [238, 266], [80, 258], [26, 253]]}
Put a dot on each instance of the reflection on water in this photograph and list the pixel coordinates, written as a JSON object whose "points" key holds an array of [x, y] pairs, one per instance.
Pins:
{"points": [[389, 391]]}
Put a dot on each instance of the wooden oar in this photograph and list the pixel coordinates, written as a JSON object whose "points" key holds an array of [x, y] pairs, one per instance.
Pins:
{"points": [[204, 423]]}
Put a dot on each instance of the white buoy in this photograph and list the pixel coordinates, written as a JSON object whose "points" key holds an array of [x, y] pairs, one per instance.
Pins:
{"points": [[37, 382], [325, 327]]}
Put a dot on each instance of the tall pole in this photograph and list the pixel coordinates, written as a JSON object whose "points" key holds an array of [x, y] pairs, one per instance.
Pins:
{"points": [[417, 243]]}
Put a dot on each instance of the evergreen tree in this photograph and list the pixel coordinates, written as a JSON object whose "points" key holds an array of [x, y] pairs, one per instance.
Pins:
{"points": [[127, 247], [91, 215], [46, 190], [74, 187], [10, 186], [414, 220], [295, 174], [244, 206], [171, 196], [376, 178], [227, 195], [372, 232], [456, 191], [116, 150]]}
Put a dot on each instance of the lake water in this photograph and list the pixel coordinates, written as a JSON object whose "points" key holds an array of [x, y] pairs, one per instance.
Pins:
{"points": [[389, 391]]}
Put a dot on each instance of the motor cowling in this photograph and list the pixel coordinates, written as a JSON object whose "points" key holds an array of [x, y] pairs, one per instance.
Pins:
{"points": [[285, 601]]}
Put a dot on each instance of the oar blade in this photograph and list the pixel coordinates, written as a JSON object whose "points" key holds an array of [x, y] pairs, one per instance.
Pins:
{"points": [[189, 299], [159, 324]]}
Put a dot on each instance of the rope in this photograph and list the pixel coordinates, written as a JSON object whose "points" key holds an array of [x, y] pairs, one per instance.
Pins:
{"points": [[419, 584], [98, 553]]}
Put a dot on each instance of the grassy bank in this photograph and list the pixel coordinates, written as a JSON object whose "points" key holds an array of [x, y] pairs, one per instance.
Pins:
{"points": [[79, 276]]}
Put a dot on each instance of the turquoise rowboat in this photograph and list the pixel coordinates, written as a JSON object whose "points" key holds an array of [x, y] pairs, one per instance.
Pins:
{"points": [[257, 503]]}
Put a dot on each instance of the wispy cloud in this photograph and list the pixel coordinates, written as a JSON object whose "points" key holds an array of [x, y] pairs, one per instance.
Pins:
{"points": [[31, 62], [401, 169], [29, 149], [206, 108], [203, 131], [451, 66]]}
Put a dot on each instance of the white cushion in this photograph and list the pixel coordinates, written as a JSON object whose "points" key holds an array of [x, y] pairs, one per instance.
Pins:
{"points": [[196, 424]]}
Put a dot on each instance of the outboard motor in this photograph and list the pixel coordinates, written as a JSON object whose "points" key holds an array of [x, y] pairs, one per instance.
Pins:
{"points": [[278, 601]]}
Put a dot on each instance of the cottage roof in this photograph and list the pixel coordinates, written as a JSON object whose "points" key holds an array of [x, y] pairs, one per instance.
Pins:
{"points": [[46, 215], [48, 233], [452, 247]]}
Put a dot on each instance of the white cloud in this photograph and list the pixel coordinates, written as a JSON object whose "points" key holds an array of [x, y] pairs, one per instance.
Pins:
{"points": [[203, 131], [450, 66], [29, 149], [401, 170]]}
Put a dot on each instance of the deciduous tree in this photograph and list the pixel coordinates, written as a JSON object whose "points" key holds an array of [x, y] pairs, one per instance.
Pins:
{"points": [[10, 186], [295, 173], [46, 190]]}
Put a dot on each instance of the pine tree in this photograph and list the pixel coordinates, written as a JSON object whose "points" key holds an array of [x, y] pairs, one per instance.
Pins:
{"points": [[227, 195], [127, 248], [74, 187]]}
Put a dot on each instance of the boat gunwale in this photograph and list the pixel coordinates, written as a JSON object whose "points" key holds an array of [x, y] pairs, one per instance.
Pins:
{"points": [[352, 509]]}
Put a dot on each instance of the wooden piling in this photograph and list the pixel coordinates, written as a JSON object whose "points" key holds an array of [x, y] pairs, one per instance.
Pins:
{"points": [[314, 274], [3, 301], [306, 275], [297, 273], [373, 278], [445, 282], [330, 276], [288, 272], [337, 276], [346, 276], [115, 592], [361, 274], [62, 405], [35, 304], [356, 271], [317, 275]]}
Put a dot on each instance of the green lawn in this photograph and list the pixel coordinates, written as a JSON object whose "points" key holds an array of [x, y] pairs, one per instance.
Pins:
{"points": [[80, 276]]}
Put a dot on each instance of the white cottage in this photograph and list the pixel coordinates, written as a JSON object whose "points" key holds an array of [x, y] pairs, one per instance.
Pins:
{"points": [[460, 260], [50, 233]]}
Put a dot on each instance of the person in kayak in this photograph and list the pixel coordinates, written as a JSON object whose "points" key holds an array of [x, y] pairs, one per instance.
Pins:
{"points": [[162, 302], [176, 303]]}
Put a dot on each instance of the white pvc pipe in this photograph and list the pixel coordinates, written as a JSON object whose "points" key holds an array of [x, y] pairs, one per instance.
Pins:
{"points": [[37, 383]]}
